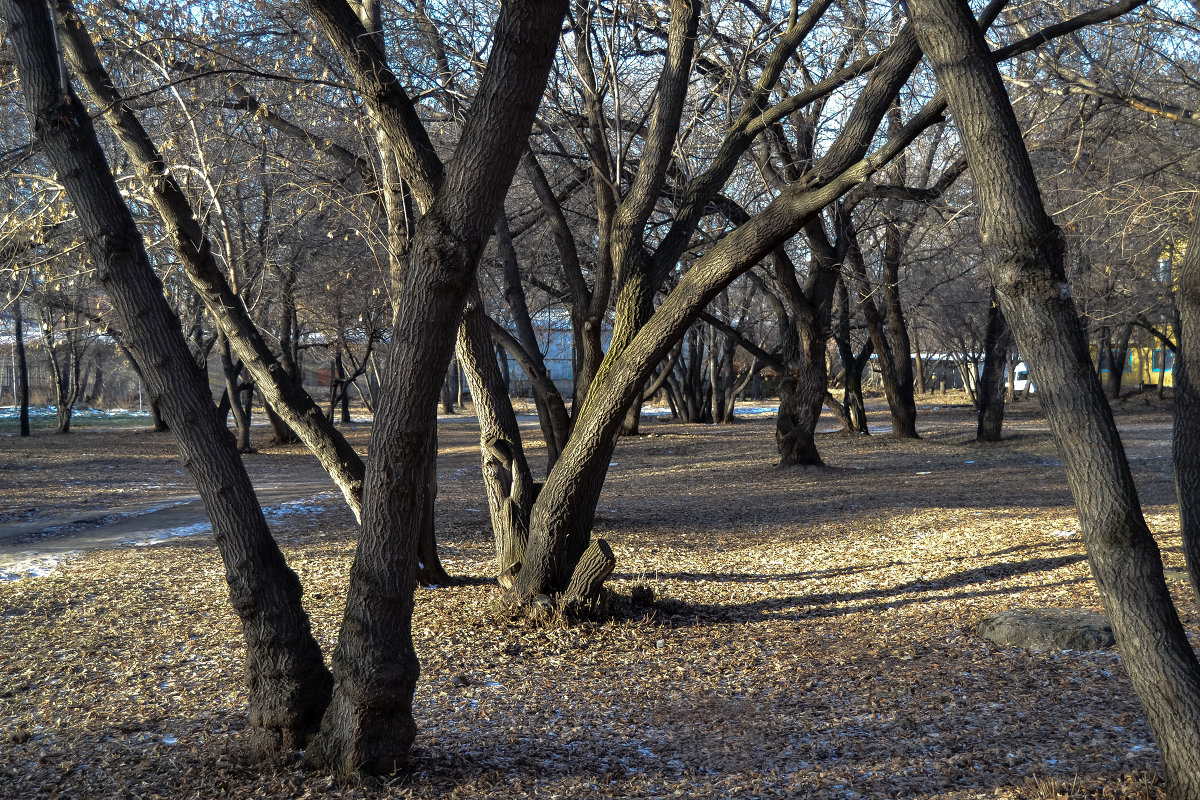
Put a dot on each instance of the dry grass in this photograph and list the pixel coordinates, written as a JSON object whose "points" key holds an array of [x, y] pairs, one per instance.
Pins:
{"points": [[811, 634]]}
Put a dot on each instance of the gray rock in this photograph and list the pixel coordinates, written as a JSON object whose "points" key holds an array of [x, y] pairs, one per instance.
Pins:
{"points": [[1175, 575], [1048, 629]]}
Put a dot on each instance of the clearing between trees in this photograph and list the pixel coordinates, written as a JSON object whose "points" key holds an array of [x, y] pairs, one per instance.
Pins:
{"points": [[806, 633]]}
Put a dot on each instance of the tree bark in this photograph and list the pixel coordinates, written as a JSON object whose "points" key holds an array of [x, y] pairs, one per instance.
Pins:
{"points": [[22, 367], [233, 395], [506, 474], [369, 726], [890, 342], [288, 682], [996, 344], [1117, 359], [1186, 445], [1024, 252], [281, 390], [854, 408]]}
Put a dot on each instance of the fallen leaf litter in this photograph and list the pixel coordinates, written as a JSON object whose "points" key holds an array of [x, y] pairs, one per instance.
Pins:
{"points": [[790, 634]]}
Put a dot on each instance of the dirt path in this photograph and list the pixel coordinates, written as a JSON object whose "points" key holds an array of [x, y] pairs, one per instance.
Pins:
{"points": [[35, 544], [107, 488]]}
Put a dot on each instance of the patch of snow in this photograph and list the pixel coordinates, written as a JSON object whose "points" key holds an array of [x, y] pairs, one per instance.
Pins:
{"points": [[38, 567]]}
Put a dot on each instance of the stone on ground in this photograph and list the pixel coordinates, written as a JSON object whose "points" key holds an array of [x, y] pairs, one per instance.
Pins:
{"points": [[1048, 629]]}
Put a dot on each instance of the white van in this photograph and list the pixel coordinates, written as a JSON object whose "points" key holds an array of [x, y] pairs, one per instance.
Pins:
{"points": [[1021, 381]]}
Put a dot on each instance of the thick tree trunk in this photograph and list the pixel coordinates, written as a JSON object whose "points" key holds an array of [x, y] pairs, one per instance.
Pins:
{"points": [[288, 682], [805, 381], [1186, 450], [996, 344], [801, 394], [1024, 251]]}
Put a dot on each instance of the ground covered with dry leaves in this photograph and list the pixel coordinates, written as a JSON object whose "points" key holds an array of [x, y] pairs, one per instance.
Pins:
{"points": [[811, 633]]}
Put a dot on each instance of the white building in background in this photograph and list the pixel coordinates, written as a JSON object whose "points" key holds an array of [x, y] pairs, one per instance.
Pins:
{"points": [[552, 327]]}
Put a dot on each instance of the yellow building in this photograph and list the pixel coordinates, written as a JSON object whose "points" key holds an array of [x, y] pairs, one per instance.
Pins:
{"points": [[1144, 367]]}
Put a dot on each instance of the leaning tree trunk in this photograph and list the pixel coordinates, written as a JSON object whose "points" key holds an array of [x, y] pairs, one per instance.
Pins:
{"points": [[1024, 252], [1187, 401], [295, 412], [288, 682], [997, 342]]}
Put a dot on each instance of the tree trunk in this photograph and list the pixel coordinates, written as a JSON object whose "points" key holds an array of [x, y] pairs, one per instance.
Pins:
{"points": [[64, 377], [233, 396], [95, 397], [1024, 252], [852, 364], [1117, 360], [22, 368], [369, 726], [801, 395], [297, 413], [430, 572], [918, 357], [1186, 445], [892, 350], [997, 342], [506, 474], [448, 388], [287, 678]]}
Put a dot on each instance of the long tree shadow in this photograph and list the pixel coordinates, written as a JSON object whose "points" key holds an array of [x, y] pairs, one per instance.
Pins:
{"points": [[831, 604], [754, 577]]}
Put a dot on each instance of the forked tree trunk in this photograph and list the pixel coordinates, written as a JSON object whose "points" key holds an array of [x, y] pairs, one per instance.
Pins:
{"points": [[64, 371], [996, 344], [1117, 359], [369, 726], [563, 514], [852, 364], [1186, 445], [1024, 252], [287, 679], [804, 383], [891, 347]]}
